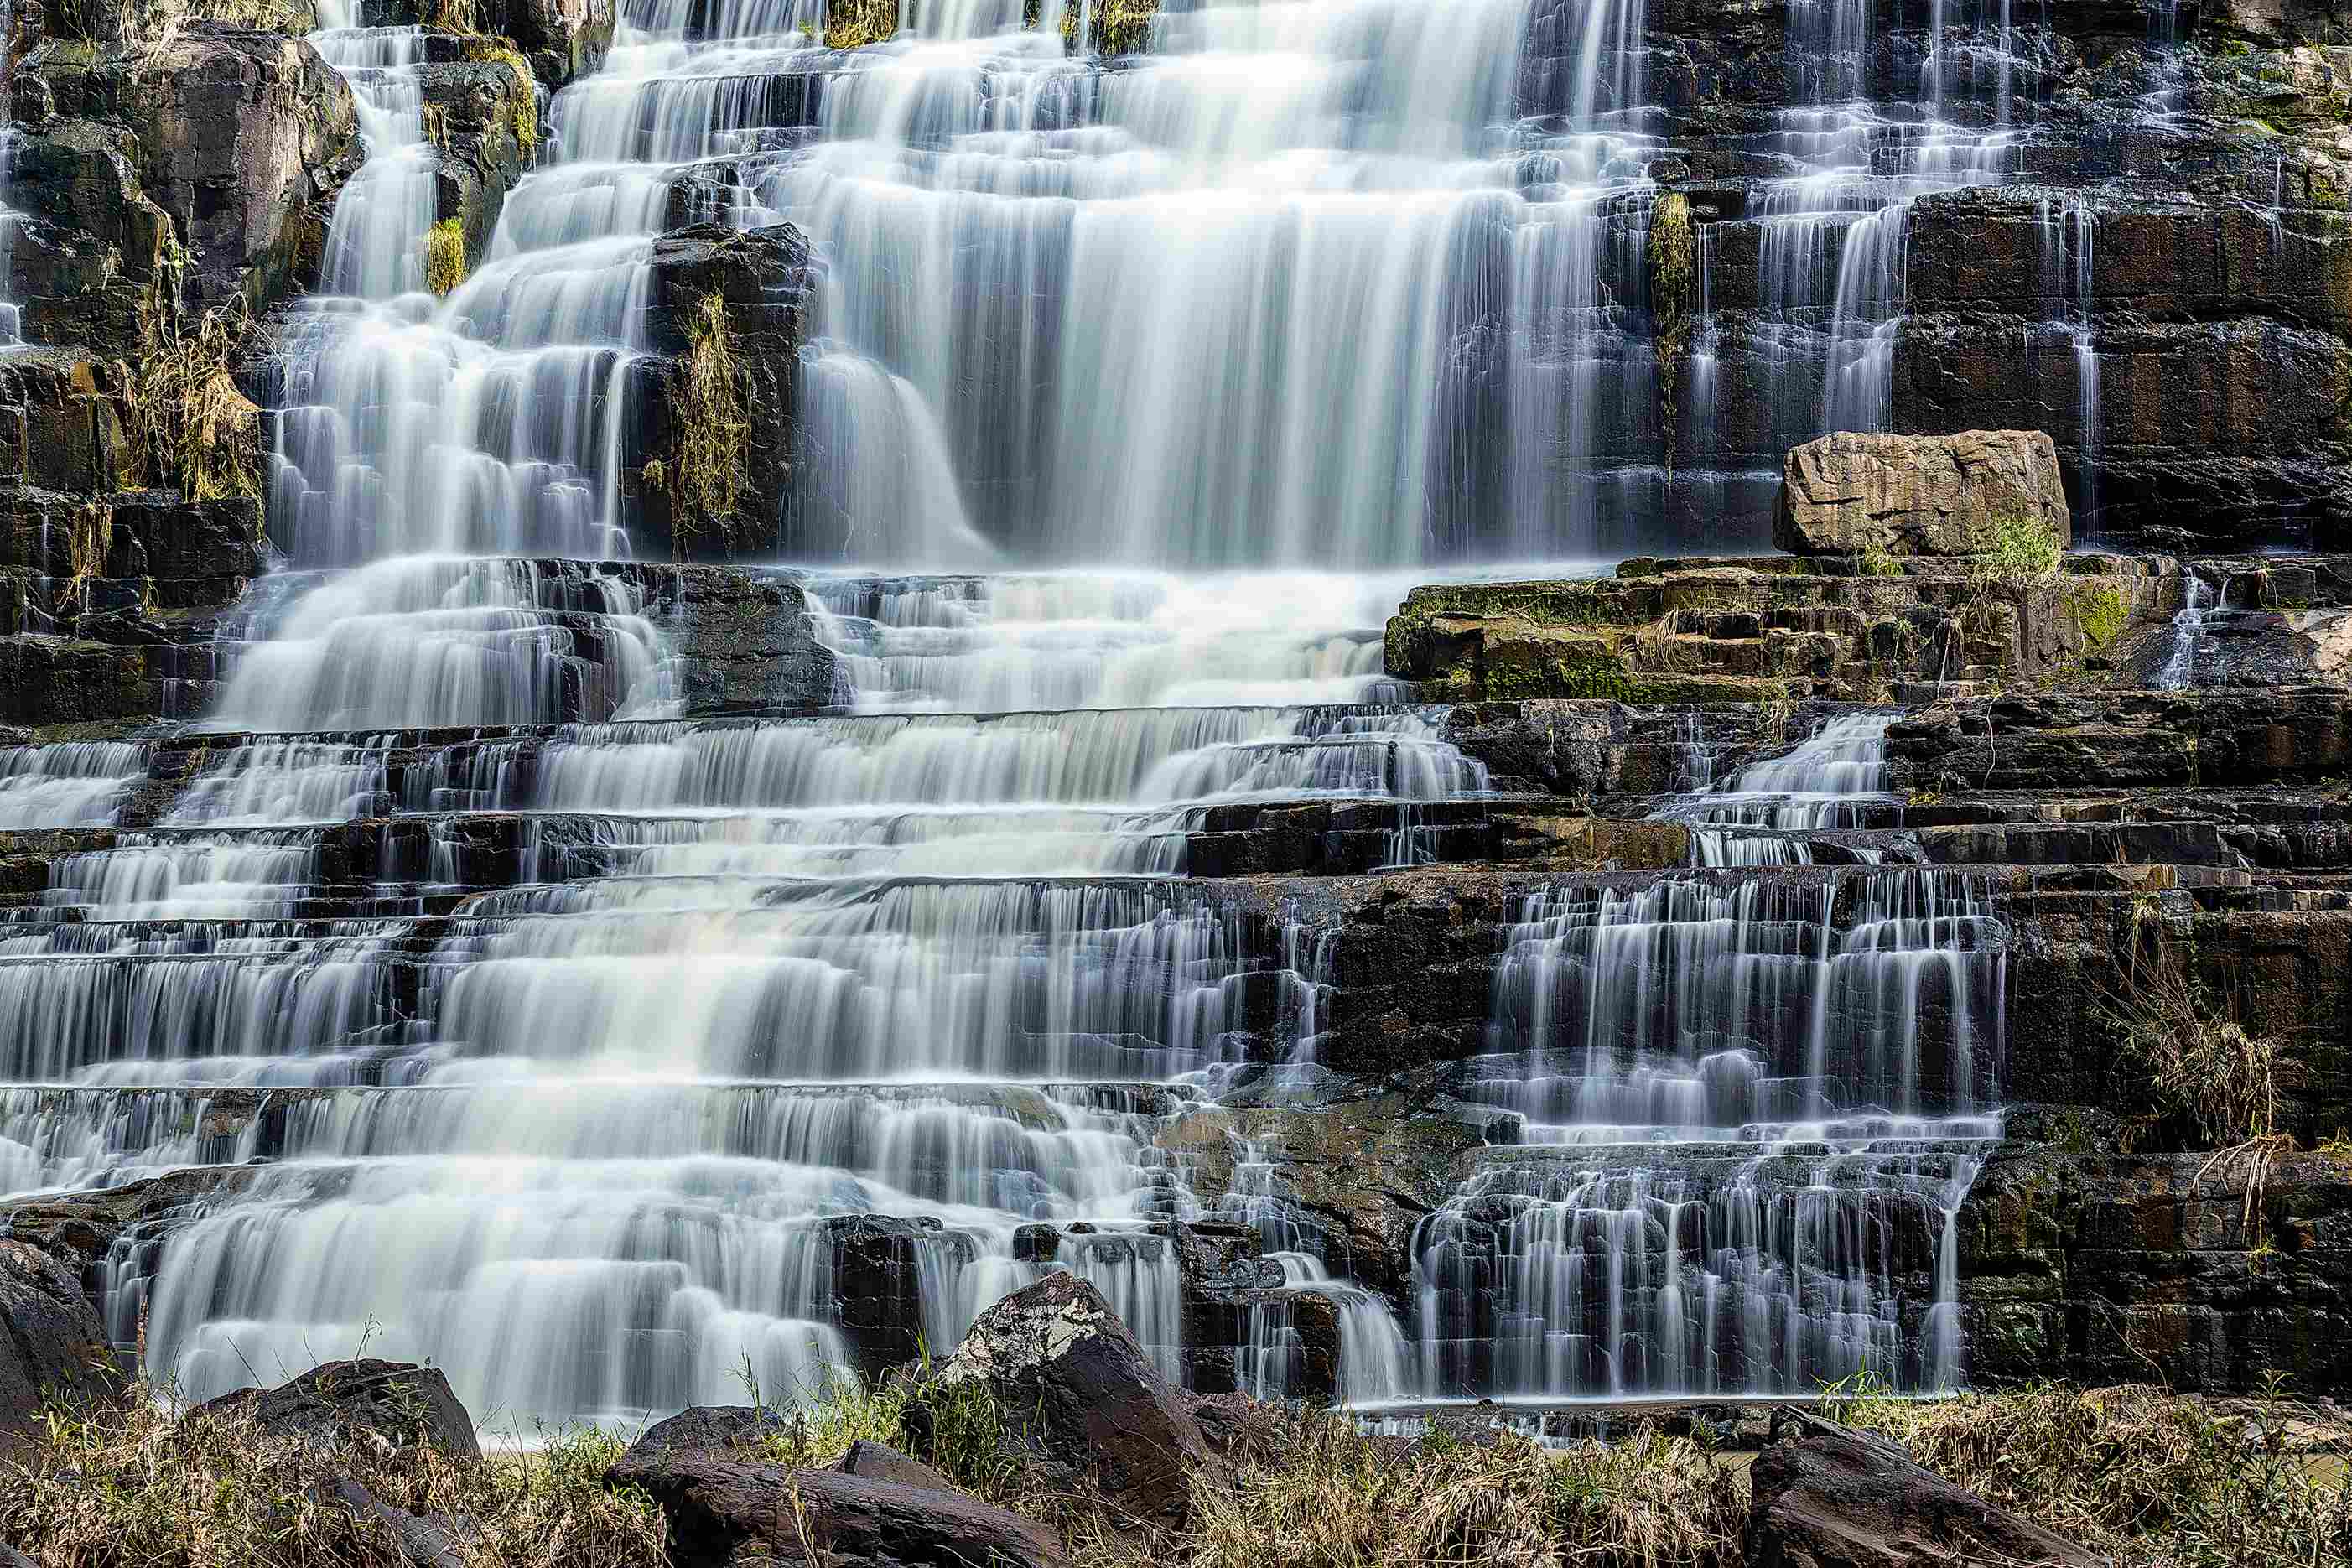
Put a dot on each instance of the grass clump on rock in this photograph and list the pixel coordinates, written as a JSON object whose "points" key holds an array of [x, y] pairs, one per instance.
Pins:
{"points": [[854, 24], [191, 426], [709, 468], [2024, 552]]}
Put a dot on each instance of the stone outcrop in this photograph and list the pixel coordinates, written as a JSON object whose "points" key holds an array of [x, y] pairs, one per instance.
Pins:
{"points": [[1850, 494], [389, 1404], [178, 173], [1826, 1496], [474, 113], [2207, 1272], [729, 1506], [53, 1348], [1770, 629], [1071, 1379]]}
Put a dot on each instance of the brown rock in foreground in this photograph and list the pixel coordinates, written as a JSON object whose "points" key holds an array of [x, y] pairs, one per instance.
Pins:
{"points": [[1829, 1496], [729, 1506]]}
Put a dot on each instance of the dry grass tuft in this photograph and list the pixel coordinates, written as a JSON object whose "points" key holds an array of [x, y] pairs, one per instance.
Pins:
{"points": [[1326, 1497], [854, 24], [140, 1487], [191, 428], [2200, 1066], [2154, 1479]]}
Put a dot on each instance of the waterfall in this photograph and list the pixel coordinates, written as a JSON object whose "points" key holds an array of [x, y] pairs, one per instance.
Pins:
{"points": [[599, 1052]]}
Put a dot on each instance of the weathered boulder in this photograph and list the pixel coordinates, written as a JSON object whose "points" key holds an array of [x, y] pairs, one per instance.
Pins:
{"points": [[1826, 1496], [397, 1404], [881, 1462], [1919, 495], [730, 1507], [1073, 1379], [563, 39], [52, 1345]]}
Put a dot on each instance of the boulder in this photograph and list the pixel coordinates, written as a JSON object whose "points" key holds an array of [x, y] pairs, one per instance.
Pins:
{"points": [[728, 1507], [1918, 495], [397, 1404], [52, 1344], [881, 1462], [745, 642], [1825, 1496], [1072, 1379]]}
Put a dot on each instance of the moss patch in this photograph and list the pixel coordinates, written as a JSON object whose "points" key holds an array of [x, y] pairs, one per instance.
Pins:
{"points": [[497, 51], [2101, 613], [445, 256]]}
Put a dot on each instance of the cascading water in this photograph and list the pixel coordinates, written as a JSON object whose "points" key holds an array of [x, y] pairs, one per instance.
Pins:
{"points": [[592, 1059], [1648, 1042]]}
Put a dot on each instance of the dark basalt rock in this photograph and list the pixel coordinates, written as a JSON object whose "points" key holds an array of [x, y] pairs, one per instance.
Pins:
{"points": [[1072, 1379], [2106, 1268], [1828, 1496], [730, 1508], [396, 1403]]}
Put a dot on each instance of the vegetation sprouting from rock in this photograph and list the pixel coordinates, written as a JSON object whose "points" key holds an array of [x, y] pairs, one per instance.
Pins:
{"points": [[2212, 1081], [191, 426], [445, 256], [709, 468], [1674, 301], [854, 24]]}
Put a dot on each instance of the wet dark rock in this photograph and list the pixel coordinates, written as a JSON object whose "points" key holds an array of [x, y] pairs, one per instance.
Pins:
{"points": [[53, 1347], [758, 280], [1072, 1380], [563, 39], [2102, 1267], [1826, 1496], [1848, 494], [727, 1506], [745, 642], [394, 1405], [472, 111]]}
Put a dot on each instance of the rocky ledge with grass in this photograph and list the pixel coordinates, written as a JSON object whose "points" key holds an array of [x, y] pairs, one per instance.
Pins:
{"points": [[372, 1465]]}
